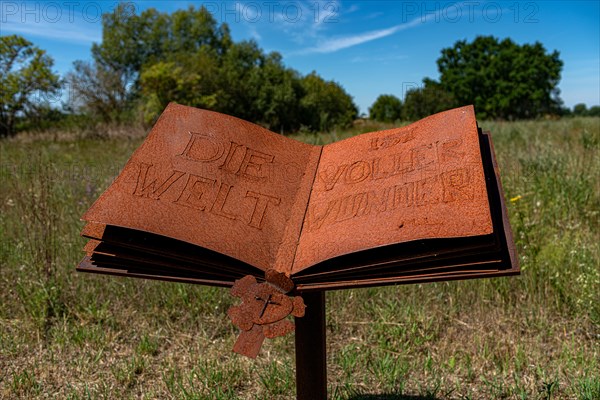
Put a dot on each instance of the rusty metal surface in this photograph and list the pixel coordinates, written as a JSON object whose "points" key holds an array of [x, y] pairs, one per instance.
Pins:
{"points": [[202, 177], [491, 256], [421, 181], [215, 181], [213, 200], [411, 204], [210, 199], [87, 265], [263, 310], [311, 354], [495, 185]]}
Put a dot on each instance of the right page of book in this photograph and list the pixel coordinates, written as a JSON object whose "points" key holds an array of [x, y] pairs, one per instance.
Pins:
{"points": [[421, 181]]}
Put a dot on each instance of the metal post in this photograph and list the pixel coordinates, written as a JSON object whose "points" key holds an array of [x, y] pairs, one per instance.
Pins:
{"points": [[311, 362]]}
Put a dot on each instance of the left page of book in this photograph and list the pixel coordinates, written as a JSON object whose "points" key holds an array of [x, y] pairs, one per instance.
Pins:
{"points": [[215, 181]]}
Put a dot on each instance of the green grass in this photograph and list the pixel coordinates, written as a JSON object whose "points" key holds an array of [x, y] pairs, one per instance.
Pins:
{"points": [[79, 336]]}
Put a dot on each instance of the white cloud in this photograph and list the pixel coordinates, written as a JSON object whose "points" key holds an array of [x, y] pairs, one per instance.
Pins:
{"points": [[301, 21], [353, 8], [330, 45], [65, 22], [340, 43], [62, 32], [253, 32], [305, 21], [335, 44]]}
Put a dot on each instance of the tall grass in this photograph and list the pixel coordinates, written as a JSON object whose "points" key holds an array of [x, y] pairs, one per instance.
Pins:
{"points": [[69, 335]]}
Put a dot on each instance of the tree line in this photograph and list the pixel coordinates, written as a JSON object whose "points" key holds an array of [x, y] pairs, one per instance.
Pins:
{"points": [[502, 79], [146, 60]]}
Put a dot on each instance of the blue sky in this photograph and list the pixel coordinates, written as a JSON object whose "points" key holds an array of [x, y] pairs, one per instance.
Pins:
{"points": [[369, 47]]}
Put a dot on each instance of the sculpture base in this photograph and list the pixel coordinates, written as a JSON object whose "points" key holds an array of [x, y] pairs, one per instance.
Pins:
{"points": [[311, 353]]}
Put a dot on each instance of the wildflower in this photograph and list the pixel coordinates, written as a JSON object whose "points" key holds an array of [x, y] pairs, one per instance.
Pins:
{"points": [[516, 198]]}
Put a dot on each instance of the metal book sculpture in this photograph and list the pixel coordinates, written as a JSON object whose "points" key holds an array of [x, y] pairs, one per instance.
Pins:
{"points": [[211, 199]]}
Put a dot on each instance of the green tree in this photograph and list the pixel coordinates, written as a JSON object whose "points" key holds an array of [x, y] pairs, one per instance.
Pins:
{"points": [[325, 104], [565, 111], [238, 69], [594, 111], [25, 77], [131, 41], [187, 80], [429, 99], [580, 110], [99, 90], [386, 108], [277, 102], [145, 61], [131, 44], [501, 78]]}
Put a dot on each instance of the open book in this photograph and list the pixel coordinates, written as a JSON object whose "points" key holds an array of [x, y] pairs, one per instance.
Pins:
{"points": [[209, 198]]}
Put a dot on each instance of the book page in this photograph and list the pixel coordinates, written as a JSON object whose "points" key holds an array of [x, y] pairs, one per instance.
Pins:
{"points": [[421, 181], [217, 182]]}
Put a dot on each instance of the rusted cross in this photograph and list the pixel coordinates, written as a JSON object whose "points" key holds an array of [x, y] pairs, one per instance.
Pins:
{"points": [[263, 310]]}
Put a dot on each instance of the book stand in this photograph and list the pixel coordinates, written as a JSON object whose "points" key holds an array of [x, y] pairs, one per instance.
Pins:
{"points": [[311, 353], [209, 199]]}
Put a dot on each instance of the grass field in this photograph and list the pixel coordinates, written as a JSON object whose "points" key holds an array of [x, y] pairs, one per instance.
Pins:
{"points": [[75, 336]]}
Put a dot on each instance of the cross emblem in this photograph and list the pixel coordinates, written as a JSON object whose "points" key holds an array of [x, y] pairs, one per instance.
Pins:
{"points": [[263, 310]]}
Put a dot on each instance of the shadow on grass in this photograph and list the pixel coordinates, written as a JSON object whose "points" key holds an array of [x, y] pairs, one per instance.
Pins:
{"points": [[390, 397]]}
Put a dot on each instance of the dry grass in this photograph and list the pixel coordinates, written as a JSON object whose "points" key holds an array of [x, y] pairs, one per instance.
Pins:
{"points": [[76, 336]]}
